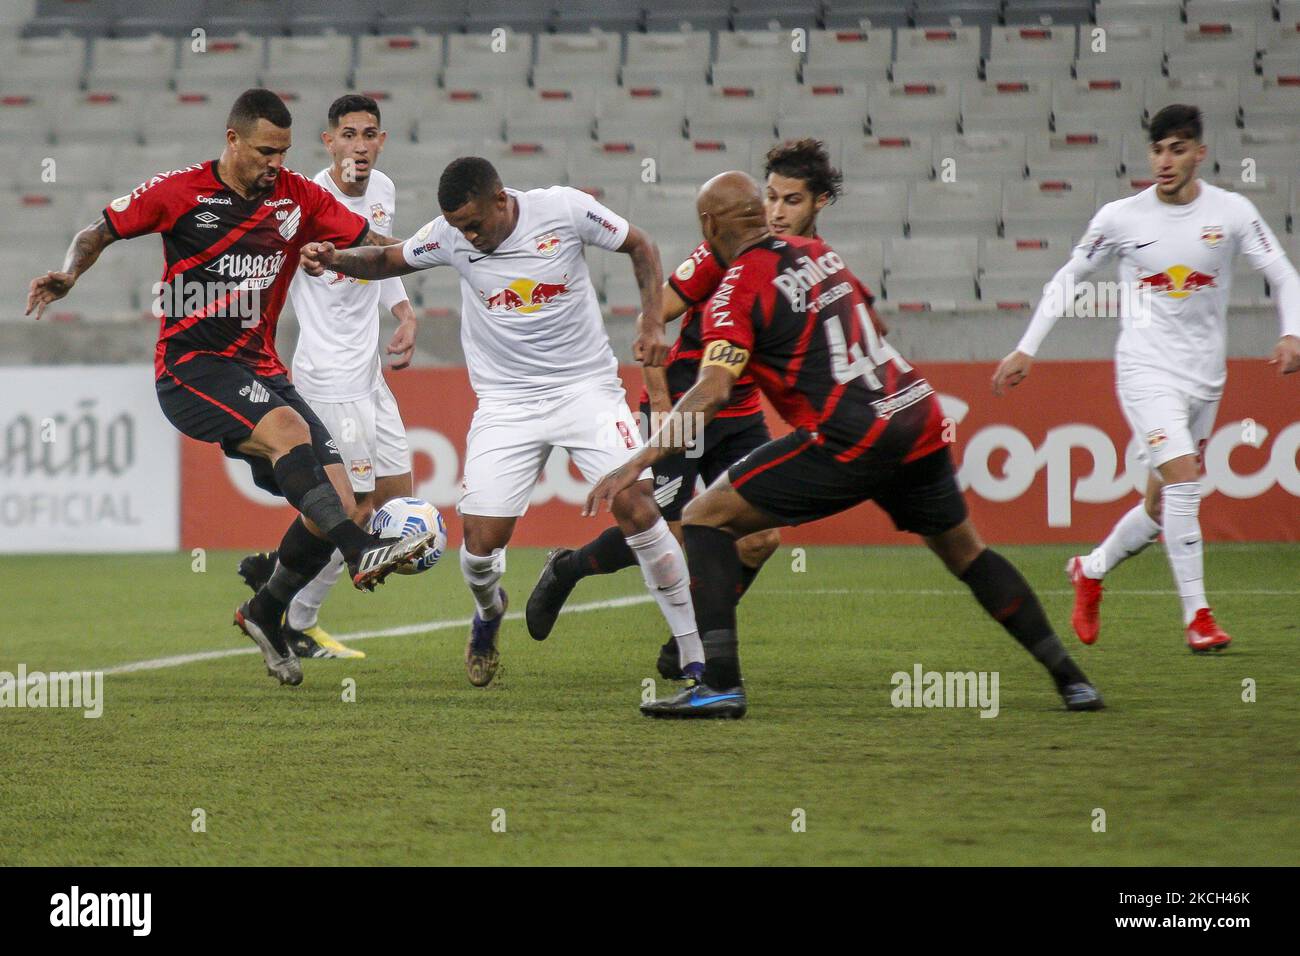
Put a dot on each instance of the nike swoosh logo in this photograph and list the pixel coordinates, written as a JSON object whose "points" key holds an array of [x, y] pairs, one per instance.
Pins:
{"points": [[1140, 245], [481, 258], [701, 701]]}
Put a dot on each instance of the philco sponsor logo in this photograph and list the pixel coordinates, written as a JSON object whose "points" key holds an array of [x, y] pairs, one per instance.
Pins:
{"points": [[794, 282], [79, 690], [946, 689], [130, 910]]}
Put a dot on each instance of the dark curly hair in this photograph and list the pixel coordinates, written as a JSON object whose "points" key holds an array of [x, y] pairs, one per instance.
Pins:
{"points": [[806, 159]]}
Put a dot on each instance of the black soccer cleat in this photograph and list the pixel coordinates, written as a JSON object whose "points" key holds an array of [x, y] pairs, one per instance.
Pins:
{"points": [[384, 555], [670, 661], [699, 700], [1082, 696], [281, 663], [548, 597], [256, 569]]}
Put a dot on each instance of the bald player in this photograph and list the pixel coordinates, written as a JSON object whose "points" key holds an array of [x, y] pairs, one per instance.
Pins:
{"points": [[867, 427]]}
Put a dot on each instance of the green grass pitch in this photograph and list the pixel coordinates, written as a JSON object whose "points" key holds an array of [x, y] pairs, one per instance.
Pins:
{"points": [[420, 766]]}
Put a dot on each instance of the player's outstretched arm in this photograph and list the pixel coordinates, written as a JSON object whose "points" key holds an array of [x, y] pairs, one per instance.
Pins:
{"points": [[650, 346], [1285, 284], [402, 344], [81, 255], [363, 262]]}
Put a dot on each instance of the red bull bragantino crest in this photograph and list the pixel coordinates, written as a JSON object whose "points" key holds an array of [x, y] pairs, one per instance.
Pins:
{"points": [[524, 295], [1177, 282]]}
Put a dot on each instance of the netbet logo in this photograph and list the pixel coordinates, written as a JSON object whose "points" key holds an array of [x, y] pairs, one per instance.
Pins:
{"points": [[603, 222], [794, 282]]}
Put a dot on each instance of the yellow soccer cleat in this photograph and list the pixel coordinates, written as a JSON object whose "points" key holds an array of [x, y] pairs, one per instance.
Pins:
{"points": [[316, 642]]}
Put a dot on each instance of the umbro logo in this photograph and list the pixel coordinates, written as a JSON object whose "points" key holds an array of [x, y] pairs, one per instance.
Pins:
{"points": [[256, 393], [207, 220]]}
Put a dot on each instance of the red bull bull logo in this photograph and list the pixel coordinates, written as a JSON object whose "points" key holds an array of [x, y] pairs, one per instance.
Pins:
{"points": [[524, 295], [1177, 282]]}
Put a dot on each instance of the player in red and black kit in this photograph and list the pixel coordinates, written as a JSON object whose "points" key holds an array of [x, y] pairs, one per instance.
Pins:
{"points": [[800, 182], [867, 427], [231, 232]]}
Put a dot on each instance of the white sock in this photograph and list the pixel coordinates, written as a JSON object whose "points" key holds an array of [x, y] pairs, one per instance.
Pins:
{"points": [[663, 566], [1131, 534], [1182, 503], [305, 606], [483, 574]]}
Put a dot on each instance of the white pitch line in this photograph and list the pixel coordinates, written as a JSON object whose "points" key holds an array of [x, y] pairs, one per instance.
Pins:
{"points": [[427, 627], [952, 591]]}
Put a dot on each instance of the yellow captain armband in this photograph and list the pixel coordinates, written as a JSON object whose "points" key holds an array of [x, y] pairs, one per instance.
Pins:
{"points": [[725, 355]]}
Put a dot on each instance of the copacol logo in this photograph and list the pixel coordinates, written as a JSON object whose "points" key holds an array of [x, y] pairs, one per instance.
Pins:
{"points": [[133, 910]]}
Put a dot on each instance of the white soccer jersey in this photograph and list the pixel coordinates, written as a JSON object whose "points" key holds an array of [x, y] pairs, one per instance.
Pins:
{"points": [[337, 358], [530, 322], [1175, 261]]}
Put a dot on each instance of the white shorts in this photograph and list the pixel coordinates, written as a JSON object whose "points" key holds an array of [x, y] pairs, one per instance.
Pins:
{"points": [[370, 436], [509, 443], [1168, 423]]}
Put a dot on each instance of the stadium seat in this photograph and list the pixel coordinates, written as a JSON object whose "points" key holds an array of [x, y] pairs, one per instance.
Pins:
{"points": [[192, 118], [664, 59], [398, 108], [654, 112], [564, 59], [403, 16], [557, 112], [467, 112], [1044, 12], [610, 163], [1125, 50], [1037, 52], [1259, 151], [1075, 151], [694, 161], [1209, 47], [82, 18], [1217, 96], [226, 63], [1270, 194], [413, 59], [867, 208], [786, 14], [1024, 105], [666, 15], [853, 14], [309, 106], [839, 109], [848, 56], [527, 165], [1113, 104], [1281, 43], [965, 207], [1036, 206], [665, 207], [412, 164], [169, 18], [1035, 256], [98, 116], [86, 168], [1150, 12], [48, 64], [937, 52], [887, 157], [523, 16], [258, 17], [617, 16], [1270, 101], [931, 273], [864, 257], [714, 112], [978, 13], [1258, 12], [49, 213], [479, 59], [902, 109], [755, 58], [301, 60], [338, 16], [982, 155], [138, 63], [28, 117]]}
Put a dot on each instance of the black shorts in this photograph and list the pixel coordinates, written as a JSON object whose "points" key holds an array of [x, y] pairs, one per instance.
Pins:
{"points": [[726, 441], [797, 480], [216, 399]]}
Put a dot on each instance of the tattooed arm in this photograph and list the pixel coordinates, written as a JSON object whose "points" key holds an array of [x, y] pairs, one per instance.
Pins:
{"points": [[650, 347], [85, 249], [372, 238]]}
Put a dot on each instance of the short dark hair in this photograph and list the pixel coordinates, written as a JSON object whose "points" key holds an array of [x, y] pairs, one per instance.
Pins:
{"points": [[256, 104], [806, 159], [352, 103], [466, 178], [1177, 119]]}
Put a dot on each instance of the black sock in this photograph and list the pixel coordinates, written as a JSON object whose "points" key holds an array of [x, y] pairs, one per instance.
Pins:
{"points": [[716, 575], [300, 557], [1007, 597], [607, 553], [747, 575], [303, 481]]}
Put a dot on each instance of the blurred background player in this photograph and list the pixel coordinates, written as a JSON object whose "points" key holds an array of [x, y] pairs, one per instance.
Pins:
{"points": [[232, 229], [541, 366], [800, 182], [336, 364], [1175, 242], [868, 427]]}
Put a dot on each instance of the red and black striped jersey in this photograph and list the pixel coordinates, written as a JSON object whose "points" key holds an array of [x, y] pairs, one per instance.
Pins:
{"points": [[694, 280], [228, 261], [817, 352]]}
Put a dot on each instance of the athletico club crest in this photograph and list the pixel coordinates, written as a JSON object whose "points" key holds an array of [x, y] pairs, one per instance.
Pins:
{"points": [[548, 245], [1211, 235], [379, 215]]}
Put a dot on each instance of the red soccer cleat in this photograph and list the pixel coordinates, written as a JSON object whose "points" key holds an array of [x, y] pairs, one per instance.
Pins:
{"points": [[1204, 633], [1086, 617]]}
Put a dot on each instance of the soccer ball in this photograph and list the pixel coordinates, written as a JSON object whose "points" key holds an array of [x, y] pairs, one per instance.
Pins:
{"points": [[403, 516]]}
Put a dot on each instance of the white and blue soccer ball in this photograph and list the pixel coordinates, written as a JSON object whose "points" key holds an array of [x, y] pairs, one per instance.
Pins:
{"points": [[403, 516]]}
